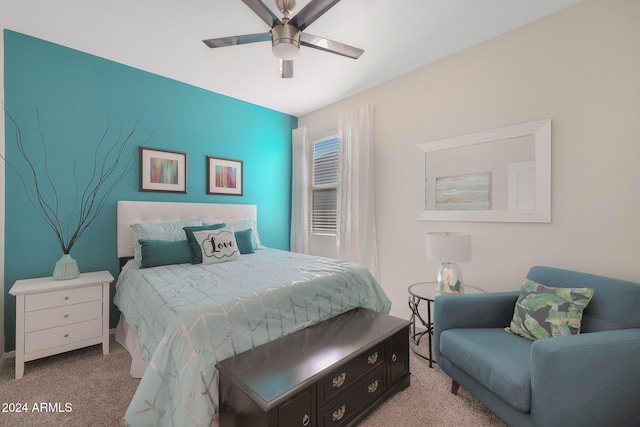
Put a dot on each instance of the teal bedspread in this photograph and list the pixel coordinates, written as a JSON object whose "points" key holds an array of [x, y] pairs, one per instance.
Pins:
{"points": [[189, 317]]}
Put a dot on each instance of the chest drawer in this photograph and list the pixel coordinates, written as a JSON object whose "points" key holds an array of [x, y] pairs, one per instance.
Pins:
{"points": [[63, 297], [343, 409], [62, 335], [298, 411], [342, 378], [58, 316]]}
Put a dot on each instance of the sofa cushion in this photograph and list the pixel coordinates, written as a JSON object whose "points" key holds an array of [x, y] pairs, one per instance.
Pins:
{"points": [[545, 312], [497, 359]]}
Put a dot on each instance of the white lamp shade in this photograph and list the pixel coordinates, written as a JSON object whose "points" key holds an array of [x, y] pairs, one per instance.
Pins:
{"points": [[285, 51], [449, 247], [286, 41]]}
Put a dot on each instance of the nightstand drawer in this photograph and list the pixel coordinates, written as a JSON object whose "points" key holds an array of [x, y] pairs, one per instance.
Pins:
{"points": [[55, 337], [64, 297], [52, 317]]}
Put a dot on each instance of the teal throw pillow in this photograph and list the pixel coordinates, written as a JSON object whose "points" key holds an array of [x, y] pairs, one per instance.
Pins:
{"points": [[164, 252], [160, 231], [244, 239], [194, 245], [544, 312]]}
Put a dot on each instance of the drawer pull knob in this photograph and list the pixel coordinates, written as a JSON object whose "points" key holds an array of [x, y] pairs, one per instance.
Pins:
{"points": [[339, 413], [373, 358], [339, 380], [66, 297], [66, 315], [394, 357], [373, 387], [306, 420], [66, 335]]}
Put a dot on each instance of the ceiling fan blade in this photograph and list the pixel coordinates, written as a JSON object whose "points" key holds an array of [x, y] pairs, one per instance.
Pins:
{"points": [[235, 40], [330, 46], [312, 11], [286, 69], [260, 9]]}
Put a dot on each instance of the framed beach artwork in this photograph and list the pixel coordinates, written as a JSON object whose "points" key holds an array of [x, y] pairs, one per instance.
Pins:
{"points": [[162, 170], [224, 176], [464, 192]]}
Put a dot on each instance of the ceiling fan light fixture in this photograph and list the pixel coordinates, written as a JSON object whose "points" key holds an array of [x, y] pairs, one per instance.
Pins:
{"points": [[286, 41]]}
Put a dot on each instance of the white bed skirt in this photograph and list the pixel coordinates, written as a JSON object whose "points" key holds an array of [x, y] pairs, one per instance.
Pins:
{"points": [[128, 339]]}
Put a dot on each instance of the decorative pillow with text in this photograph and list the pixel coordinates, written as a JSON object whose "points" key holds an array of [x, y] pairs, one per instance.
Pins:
{"points": [[217, 245]]}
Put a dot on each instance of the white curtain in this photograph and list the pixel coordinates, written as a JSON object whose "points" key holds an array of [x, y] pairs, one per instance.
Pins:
{"points": [[299, 240], [356, 234]]}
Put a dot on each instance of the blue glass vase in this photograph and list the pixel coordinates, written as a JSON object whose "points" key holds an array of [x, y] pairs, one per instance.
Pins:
{"points": [[66, 268]]}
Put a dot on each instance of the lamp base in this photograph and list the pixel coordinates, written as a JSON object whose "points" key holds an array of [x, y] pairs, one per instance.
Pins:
{"points": [[449, 280]]}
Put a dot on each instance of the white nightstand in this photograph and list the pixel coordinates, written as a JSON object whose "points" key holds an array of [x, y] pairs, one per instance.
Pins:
{"points": [[54, 316]]}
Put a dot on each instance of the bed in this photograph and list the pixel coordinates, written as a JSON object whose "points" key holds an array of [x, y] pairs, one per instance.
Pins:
{"points": [[179, 320]]}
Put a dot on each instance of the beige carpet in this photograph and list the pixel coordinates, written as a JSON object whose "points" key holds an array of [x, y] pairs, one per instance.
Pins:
{"points": [[98, 389]]}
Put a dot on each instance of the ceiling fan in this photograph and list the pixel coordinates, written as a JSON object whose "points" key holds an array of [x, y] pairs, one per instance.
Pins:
{"points": [[287, 34]]}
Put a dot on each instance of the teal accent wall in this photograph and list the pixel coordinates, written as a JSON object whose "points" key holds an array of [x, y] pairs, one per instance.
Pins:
{"points": [[74, 92]]}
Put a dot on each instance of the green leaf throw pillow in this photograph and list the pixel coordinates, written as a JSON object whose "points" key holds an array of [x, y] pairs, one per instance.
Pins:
{"points": [[544, 312]]}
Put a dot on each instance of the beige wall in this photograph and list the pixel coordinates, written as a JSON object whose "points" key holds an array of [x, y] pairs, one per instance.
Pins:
{"points": [[579, 67]]}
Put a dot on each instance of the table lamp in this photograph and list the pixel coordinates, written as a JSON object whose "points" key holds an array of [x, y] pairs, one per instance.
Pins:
{"points": [[449, 248]]}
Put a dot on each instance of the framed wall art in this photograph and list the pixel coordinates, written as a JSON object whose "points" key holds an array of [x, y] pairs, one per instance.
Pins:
{"points": [[162, 170], [224, 176]]}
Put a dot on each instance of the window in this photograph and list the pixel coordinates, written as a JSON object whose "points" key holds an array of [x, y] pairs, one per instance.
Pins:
{"points": [[324, 185]]}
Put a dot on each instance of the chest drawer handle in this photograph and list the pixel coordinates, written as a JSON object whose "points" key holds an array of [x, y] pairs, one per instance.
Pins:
{"points": [[66, 297], [373, 358], [394, 357], [66, 315], [306, 420], [339, 380], [339, 413], [373, 387], [66, 335]]}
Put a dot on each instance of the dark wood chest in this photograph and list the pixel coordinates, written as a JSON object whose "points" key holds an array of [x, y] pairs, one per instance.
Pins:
{"points": [[330, 374]]}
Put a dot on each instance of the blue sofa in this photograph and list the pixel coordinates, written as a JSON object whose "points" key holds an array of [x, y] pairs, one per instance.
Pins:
{"points": [[590, 379]]}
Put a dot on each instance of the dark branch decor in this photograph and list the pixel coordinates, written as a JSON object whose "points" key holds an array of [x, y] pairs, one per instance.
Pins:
{"points": [[109, 168]]}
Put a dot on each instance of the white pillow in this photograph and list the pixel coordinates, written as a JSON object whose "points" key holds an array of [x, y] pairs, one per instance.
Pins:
{"points": [[217, 245], [239, 225], [171, 231]]}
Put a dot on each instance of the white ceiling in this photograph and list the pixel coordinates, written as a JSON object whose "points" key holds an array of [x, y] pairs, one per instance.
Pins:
{"points": [[164, 37]]}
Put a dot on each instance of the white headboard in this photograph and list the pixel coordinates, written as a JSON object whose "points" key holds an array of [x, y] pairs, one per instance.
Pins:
{"points": [[133, 212]]}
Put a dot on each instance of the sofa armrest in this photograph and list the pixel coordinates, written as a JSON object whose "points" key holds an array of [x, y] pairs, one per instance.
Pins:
{"points": [[586, 380], [490, 310]]}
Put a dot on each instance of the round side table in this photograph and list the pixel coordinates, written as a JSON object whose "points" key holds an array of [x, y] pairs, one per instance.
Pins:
{"points": [[421, 298], [421, 295]]}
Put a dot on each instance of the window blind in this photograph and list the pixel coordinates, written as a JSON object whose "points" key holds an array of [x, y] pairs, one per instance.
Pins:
{"points": [[324, 185]]}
